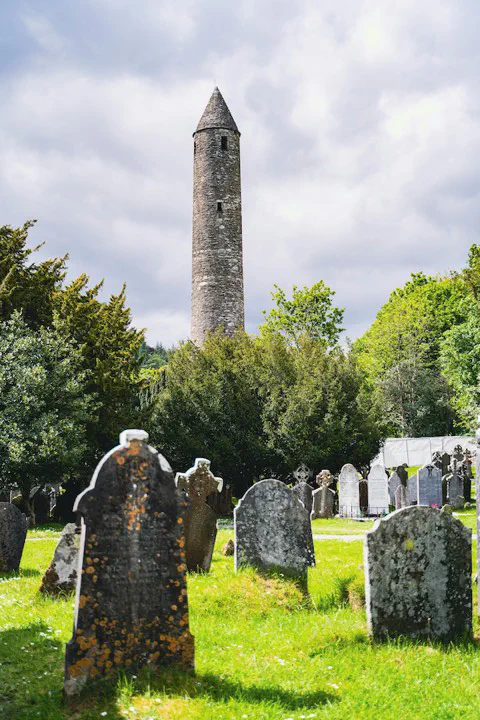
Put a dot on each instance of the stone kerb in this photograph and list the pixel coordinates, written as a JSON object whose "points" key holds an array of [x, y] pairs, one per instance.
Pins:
{"points": [[273, 531], [418, 576], [131, 608]]}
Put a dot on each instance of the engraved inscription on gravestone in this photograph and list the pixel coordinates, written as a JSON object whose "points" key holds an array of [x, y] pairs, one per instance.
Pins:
{"points": [[201, 521], [273, 531], [131, 605], [418, 576], [61, 574], [13, 531]]}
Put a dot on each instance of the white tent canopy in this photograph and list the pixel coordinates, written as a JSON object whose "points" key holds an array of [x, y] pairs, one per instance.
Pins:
{"points": [[418, 451]]}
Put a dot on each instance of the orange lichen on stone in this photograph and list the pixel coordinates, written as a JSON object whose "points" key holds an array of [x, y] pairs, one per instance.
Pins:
{"points": [[82, 601], [89, 570]]}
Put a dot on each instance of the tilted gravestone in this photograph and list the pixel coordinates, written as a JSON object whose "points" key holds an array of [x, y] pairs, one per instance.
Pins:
{"points": [[323, 503], [131, 607], [201, 521], [61, 575], [418, 576], [13, 531], [273, 531], [401, 497], [304, 492], [429, 486], [377, 491], [393, 483], [348, 492]]}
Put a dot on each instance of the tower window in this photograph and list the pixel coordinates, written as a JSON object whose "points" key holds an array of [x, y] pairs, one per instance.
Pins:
{"points": [[219, 206], [224, 142]]}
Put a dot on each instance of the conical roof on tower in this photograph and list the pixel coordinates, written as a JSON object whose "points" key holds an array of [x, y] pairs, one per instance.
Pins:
{"points": [[217, 114]]}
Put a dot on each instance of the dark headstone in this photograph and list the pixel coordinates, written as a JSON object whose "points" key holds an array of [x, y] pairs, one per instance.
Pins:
{"points": [[429, 486], [273, 531], [221, 502], [13, 531], [363, 493], [228, 548], [61, 574], [323, 503], [402, 474], [201, 521], [418, 576], [304, 492], [446, 460], [131, 607]]}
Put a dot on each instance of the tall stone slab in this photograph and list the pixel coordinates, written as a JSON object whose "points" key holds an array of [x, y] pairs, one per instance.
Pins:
{"points": [[402, 474], [304, 492], [348, 492], [131, 607], [429, 486], [201, 521], [363, 494], [323, 505], [13, 531], [401, 497], [412, 491], [455, 486], [378, 498], [273, 531], [418, 576], [393, 483], [61, 575]]}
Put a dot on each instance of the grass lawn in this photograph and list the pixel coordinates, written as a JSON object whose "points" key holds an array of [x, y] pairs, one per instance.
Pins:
{"points": [[262, 651]]}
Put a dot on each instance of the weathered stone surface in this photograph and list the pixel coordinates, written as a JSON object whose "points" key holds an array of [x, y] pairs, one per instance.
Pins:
{"points": [[131, 607], [401, 497], [273, 531], [61, 574], [304, 492], [393, 483], [348, 492], [412, 492], [402, 474], [455, 486], [302, 474], [363, 495], [429, 486], [228, 548], [323, 504], [201, 521], [324, 477], [217, 256], [13, 531], [377, 491], [418, 576]]}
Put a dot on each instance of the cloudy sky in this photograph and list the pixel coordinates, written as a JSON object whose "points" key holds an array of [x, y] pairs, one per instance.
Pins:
{"points": [[360, 141]]}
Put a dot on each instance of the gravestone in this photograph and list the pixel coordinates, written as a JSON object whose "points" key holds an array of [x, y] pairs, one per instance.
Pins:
{"points": [[402, 474], [323, 503], [429, 486], [455, 486], [418, 576], [458, 454], [401, 497], [467, 476], [412, 491], [393, 483], [377, 491], [61, 575], [131, 608], [273, 531], [348, 492], [302, 473], [446, 460], [201, 521], [304, 492], [363, 495], [324, 477], [13, 531]]}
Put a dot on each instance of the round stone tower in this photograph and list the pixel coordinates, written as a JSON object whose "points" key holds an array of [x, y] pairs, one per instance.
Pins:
{"points": [[217, 258]]}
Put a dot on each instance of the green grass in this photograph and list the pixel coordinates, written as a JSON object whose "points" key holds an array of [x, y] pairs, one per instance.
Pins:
{"points": [[262, 652]]}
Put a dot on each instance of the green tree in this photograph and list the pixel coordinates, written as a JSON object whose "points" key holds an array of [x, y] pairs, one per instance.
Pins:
{"points": [[45, 407], [310, 313]]}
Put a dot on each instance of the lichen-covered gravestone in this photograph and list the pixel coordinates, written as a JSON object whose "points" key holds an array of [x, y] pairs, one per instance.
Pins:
{"points": [[377, 491], [401, 497], [418, 576], [429, 486], [273, 531], [13, 531], [348, 492], [304, 492], [61, 575], [131, 607], [201, 521], [393, 483]]}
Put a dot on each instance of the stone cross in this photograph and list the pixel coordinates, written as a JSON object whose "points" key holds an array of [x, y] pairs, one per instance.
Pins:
{"points": [[201, 521], [324, 477], [61, 575], [348, 492], [273, 531], [302, 473], [418, 579], [131, 608], [429, 486], [13, 531]]}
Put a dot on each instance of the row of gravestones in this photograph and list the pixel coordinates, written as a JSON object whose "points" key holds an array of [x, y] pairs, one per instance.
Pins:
{"points": [[140, 532]]}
